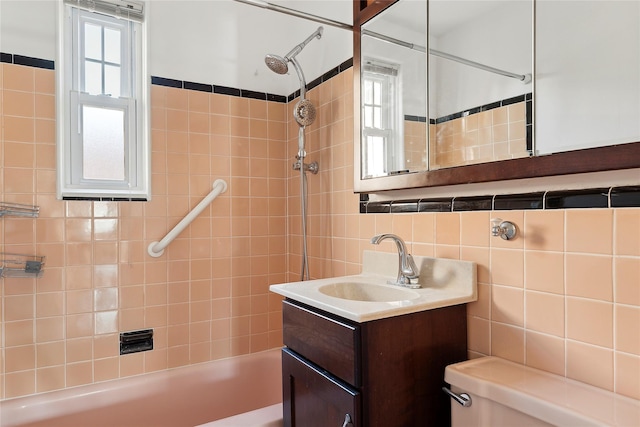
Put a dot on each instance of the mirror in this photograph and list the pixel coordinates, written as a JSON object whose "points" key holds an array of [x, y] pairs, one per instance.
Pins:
{"points": [[481, 119], [574, 132]]}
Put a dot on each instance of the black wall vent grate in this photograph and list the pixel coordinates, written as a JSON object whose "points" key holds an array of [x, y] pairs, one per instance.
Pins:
{"points": [[135, 341]]}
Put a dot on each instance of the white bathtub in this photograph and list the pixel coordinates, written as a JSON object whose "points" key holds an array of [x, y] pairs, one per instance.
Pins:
{"points": [[187, 396]]}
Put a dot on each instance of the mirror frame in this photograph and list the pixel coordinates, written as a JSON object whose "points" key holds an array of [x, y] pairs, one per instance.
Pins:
{"points": [[599, 159]]}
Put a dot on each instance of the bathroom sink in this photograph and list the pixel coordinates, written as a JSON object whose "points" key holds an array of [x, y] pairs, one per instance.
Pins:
{"points": [[368, 296], [357, 291]]}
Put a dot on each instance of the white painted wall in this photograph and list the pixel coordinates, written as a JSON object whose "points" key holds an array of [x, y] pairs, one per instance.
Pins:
{"points": [[219, 42], [588, 74], [28, 28]]}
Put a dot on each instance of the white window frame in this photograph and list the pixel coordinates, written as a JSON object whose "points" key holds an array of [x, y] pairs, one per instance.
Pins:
{"points": [[133, 102], [390, 157]]}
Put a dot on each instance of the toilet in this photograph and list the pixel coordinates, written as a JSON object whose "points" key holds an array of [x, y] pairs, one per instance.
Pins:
{"points": [[500, 393]]}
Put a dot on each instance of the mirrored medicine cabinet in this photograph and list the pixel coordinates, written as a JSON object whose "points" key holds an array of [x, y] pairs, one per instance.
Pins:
{"points": [[453, 92]]}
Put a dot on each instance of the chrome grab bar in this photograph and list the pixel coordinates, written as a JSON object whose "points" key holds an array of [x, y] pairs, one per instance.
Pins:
{"points": [[463, 398]]}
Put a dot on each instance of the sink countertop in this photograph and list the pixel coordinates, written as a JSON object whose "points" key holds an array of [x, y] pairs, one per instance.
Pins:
{"points": [[444, 283]]}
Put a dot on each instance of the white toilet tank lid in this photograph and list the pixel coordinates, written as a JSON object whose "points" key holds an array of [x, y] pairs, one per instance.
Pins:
{"points": [[551, 398]]}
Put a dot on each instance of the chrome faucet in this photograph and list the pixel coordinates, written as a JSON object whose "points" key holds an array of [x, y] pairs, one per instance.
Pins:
{"points": [[407, 269]]}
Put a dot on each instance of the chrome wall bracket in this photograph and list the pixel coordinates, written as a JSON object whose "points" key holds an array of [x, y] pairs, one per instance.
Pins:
{"points": [[308, 167], [505, 229]]}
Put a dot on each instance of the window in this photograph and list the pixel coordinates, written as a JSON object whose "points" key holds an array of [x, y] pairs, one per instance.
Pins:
{"points": [[381, 114], [103, 138]]}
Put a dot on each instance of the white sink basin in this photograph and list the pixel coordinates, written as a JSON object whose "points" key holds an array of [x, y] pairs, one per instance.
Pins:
{"points": [[367, 296], [356, 291]]}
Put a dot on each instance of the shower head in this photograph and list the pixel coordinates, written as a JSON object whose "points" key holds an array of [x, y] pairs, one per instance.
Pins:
{"points": [[279, 65], [304, 112], [276, 63]]}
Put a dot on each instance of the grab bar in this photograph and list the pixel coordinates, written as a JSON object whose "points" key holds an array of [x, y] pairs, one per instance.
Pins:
{"points": [[156, 249]]}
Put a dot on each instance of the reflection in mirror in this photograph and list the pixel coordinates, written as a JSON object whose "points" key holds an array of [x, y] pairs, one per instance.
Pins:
{"points": [[480, 91], [394, 108]]}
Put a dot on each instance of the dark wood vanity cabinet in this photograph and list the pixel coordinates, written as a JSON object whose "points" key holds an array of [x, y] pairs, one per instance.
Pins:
{"points": [[382, 373]]}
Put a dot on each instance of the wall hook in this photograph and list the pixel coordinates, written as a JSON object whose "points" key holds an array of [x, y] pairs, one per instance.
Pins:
{"points": [[505, 229]]}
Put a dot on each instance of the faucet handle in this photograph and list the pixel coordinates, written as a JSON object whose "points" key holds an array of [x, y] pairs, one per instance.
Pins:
{"points": [[410, 274], [411, 269]]}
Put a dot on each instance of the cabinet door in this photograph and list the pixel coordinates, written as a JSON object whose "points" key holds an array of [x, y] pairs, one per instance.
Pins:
{"points": [[312, 398]]}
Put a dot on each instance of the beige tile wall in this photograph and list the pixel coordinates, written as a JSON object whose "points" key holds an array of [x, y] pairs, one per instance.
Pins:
{"points": [[415, 145], [491, 135], [206, 298], [564, 296]]}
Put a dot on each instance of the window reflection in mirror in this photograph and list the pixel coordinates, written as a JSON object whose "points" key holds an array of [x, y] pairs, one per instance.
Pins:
{"points": [[480, 91], [381, 110], [395, 72]]}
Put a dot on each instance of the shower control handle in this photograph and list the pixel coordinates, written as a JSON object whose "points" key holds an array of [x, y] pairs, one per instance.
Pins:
{"points": [[308, 167]]}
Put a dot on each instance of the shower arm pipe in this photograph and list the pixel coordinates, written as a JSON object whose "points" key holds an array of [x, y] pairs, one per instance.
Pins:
{"points": [[297, 13], [156, 249], [524, 78], [303, 82], [296, 50]]}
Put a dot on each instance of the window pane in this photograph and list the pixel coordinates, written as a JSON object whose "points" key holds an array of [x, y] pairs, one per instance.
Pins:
{"points": [[112, 80], [368, 116], [368, 96], [377, 93], [93, 41], [377, 118], [375, 155], [112, 46], [92, 77], [102, 144]]}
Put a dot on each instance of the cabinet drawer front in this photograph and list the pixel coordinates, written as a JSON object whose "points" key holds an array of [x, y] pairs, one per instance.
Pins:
{"points": [[314, 399], [329, 343]]}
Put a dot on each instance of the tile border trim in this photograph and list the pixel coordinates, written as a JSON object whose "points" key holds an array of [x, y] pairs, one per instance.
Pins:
{"points": [[202, 87], [490, 106], [244, 93], [9, 58], [610, 197]]}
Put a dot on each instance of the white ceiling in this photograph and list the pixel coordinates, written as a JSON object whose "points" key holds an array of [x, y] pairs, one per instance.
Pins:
{"points": [[223, 42]]}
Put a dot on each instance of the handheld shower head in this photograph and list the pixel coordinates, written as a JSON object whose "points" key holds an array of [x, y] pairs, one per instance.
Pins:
{"points": [[304, 112]]}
